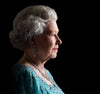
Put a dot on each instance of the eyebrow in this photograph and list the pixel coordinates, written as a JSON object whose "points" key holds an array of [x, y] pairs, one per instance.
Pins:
{"points": [[51, 31]]}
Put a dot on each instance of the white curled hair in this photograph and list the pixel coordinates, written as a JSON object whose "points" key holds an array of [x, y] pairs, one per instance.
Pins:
{"points": [[31, 21]]}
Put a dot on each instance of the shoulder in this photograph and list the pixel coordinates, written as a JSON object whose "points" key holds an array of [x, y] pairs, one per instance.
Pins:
{"points": [[22, 70], [21, 67], [24, 79]]}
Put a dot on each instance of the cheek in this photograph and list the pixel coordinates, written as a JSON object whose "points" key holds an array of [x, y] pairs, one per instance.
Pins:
{"points": [[51, 42], [46, 43]]}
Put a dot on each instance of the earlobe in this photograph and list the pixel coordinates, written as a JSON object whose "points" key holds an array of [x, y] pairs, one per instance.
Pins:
{"points": [[32, 41]]}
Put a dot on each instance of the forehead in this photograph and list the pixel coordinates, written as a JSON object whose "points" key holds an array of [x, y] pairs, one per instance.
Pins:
{"points": [[52, 26]]}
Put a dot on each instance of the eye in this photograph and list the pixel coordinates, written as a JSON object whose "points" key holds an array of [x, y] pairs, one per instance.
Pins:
{"points": [[51, 34]]}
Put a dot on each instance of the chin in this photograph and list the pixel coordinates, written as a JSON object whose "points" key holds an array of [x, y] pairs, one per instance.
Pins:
{"points": [[53, 56]]}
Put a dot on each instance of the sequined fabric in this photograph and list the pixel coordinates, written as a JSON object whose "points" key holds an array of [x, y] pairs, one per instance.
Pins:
{"points": [[26, 81]]}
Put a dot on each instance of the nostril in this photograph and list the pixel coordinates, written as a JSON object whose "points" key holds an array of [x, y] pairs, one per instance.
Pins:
{"points": [[60, 41]]}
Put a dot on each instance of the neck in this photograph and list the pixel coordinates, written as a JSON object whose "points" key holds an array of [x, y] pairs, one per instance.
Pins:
{"points": [[36, 60]]}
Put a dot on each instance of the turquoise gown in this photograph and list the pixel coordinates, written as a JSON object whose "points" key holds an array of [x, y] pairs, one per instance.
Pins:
{"points": [[26, 81]]}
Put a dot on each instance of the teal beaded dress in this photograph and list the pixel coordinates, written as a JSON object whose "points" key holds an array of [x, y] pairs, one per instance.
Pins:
{"points": [[26, 81]]}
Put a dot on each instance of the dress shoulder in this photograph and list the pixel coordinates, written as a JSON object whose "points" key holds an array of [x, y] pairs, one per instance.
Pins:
{"points": [[24, 80], [20, 69]]}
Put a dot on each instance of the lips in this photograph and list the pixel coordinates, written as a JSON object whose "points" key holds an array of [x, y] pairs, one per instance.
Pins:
{"points": [[55, 48]]}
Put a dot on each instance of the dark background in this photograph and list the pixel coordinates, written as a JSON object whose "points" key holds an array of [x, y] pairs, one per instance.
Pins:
{"points": [[71, 67]]}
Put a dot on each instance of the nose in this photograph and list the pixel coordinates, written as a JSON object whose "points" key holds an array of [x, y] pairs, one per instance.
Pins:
{"points": [[59, 40]]}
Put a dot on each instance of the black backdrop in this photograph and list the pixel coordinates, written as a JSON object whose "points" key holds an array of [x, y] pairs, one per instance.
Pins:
{"points": [[70, 66]]}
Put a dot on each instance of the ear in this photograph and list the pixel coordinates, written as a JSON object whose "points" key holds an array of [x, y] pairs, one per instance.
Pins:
{"points": [[32, 41]]}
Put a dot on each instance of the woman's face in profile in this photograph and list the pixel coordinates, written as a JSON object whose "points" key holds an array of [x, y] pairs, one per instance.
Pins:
{"points": [[48, 43]]}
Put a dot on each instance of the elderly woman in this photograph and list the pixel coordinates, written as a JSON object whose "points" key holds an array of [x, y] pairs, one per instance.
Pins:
{"points": [[35, 32]]}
